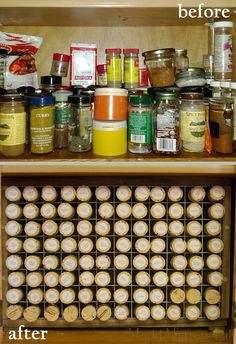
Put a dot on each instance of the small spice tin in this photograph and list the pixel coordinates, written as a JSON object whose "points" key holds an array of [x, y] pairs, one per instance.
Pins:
{"points": [[109, 137], [60, 64], [110, 104]]}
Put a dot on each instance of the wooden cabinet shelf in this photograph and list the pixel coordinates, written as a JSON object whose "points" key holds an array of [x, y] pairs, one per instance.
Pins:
{"points": [[101, 12]]}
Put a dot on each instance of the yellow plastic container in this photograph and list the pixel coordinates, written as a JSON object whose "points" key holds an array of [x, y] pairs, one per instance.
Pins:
{"points": [[109, 138]]}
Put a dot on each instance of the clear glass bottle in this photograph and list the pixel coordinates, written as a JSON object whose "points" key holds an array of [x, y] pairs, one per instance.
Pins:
{"points": [[181, 60], [12, 125], [61, 118], [208, 65], [233, 91], [166, 124], [140, 118], [41, 123], [223, 50], [225, 89], [216, 89], [80, 124], [131, 68], [192, 122], [114, 71]]}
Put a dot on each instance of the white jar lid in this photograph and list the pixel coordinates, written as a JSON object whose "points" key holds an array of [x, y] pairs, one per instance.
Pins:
{"points": [[225, 84], [108, 91], [109, 125], [233, 85], [223, 24], [215, 83]]}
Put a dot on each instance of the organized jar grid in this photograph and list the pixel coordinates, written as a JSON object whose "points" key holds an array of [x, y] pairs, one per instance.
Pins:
{"points": [[117, 255]]}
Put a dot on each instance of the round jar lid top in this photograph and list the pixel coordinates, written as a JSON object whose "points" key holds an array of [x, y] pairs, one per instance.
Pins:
{"points": [[113, 50], [50, 80], [223, 101], [181, 52], [8, 98], [223, 24], [169, 52], [62, 96], [142, 99], [41, 100], [166, 96], [130, 51], [192, 96], [80, 99], [26, 90]]}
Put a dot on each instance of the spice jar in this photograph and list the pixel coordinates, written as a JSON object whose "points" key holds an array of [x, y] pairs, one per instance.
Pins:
{"points": [[109, 137], [216, 89], [223, 50], [181, 60], [221, 124], [208, 65], [114, 72], [192, 122], [80, 123], [140, 116], [143, 77], [225, 89], [233, 91], [60, 64], [12, 125], [41, 123], [131, 68], [50, 83], [160, 65], [166, 124], [61, 118], [191, 77], [102, 75]]}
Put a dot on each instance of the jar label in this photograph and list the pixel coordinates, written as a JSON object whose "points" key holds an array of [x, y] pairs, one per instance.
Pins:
{"points": [[41, 129], [131, 71], [114, 69], [62, 114], [140, 127], [167, 133], [192, 126], [223, 56], [12, 128]]}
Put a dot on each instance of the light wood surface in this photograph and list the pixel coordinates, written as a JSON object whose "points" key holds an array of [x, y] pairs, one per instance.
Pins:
{"points": [[132, 336]]}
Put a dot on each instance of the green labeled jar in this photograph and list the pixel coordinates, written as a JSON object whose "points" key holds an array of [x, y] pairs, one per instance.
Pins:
{"points": [[41, 124], [12, 125], [140, 117]]}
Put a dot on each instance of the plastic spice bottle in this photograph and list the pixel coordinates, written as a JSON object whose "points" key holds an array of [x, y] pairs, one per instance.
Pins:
{"points": [[233, 91], [221, 124], [80, 123], [192, 122], [60, 64], [223, 50], [131, 68], [114, 71], [102, 75], [140, 116], [166, 124], [12, 125], [41, 124], [216, 89], [61, 118]]}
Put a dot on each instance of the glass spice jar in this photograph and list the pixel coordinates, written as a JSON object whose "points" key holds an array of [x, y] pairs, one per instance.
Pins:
{"points": [[80, 123], [131, 68], [41, 124], [114, 71], [50, 83], [160, 66], [140, 117], [12, 125], [61, 118], [102, 75], [221, 124], [216, 89], [166, 124], [192, 122], [60, 64], [223, 50], [181, 60]]}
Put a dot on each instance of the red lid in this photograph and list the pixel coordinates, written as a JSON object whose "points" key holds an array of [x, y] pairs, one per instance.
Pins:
{"points": [[61, 57], [102, 68], [130, 51], [64, 88], [113, 50]]}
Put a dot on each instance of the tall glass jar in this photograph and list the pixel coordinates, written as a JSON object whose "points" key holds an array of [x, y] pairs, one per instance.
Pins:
{"points": [[80, 123], [221, 124], [61, 118], [114, 71], [41, 124], [140, 117], [181, 60], [12, 125], [166, 124], [192, 122], [131, 68], [223, 50]]}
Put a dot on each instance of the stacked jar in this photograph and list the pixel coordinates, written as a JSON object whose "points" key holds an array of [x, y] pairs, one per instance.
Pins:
{"points": [[110, 122]]}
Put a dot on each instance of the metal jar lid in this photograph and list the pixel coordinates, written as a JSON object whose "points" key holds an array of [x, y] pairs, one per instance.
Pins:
{"points": [[159, 53], [166, 96], [11, 98], [192, 96]]}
